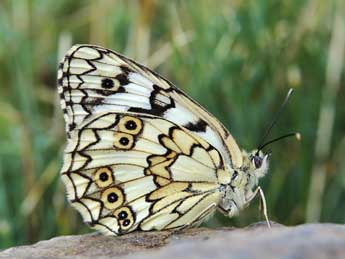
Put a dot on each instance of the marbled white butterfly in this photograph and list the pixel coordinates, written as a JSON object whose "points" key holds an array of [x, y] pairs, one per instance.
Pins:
{"points": [[141, 154]]}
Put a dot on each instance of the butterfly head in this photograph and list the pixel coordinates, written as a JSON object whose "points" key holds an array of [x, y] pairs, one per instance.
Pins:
{"points": [[255, 166], [255, 163], [244, 180]]}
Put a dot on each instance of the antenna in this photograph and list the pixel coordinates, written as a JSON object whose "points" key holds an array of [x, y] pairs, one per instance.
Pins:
{"points": [[293, 134], [274, 121]]}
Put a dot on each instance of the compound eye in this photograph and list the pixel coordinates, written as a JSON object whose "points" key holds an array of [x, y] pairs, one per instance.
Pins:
{"points": [[257, 161]]}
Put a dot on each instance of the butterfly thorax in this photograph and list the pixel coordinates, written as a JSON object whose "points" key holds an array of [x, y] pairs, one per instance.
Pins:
{"points": [[243, 180]]}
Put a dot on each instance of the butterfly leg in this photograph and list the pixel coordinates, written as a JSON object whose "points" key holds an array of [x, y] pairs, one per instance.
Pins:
{"points": [[263, 205]]}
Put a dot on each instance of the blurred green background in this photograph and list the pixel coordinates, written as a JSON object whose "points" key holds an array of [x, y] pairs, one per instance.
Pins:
{"points": [[237, 58]]}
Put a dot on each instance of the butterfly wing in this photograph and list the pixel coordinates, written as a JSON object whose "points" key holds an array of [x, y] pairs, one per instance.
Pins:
{"points": [[128, 171], [93, 80]]}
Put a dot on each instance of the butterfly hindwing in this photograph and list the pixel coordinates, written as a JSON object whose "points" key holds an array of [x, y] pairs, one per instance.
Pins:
{"points": [[128, 171], [93, 80]]}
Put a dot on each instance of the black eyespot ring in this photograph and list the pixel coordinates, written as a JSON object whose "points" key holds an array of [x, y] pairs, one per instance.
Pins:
{"points": [[126, 222], [124, 141], [131, 125], [112, 197], [123, 215], [103, 176]]}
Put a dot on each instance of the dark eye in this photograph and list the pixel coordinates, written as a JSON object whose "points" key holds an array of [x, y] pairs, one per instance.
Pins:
{"points": [[257, 161]]}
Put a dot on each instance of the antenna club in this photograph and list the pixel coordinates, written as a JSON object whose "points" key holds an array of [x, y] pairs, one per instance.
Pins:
{"points": [[298, 136]]}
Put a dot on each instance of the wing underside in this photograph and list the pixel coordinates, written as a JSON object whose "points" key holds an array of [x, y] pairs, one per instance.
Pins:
{"points": [[126, 172]]}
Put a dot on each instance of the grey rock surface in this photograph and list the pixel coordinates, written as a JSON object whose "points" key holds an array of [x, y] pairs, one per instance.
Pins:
{"points": [[257, 241]]}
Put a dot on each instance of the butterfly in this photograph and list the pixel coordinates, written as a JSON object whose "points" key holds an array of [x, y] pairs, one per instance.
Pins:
{"points": [[141, 154]]}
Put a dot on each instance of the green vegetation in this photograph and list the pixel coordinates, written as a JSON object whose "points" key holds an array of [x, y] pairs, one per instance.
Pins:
{"points": [[237, 58]]}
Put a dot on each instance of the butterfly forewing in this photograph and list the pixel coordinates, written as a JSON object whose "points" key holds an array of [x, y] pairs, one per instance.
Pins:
{"points": [[93, 80]]}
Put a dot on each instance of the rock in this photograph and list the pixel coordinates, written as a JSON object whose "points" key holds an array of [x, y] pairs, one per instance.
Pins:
{"points": [[304, 241]]}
